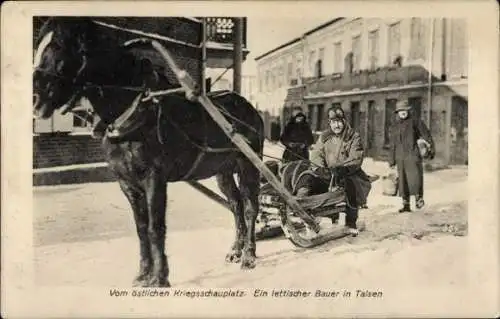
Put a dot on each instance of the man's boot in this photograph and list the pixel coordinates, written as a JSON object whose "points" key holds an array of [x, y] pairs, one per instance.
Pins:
{"points": [[351, 220], [406, 206], [420, 203]]}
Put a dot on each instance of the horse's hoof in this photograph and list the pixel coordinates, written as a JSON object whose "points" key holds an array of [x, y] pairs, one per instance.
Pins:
{"points": [[248, 263], [141, 280], [158, 283], [233, 257], [138, 283]]}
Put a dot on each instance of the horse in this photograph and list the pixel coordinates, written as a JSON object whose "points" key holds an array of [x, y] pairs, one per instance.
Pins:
{"points": [[148, 143]]}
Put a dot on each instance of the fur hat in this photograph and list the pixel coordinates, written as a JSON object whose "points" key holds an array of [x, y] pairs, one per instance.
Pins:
{"points": [[338, 113], [402, 106]]}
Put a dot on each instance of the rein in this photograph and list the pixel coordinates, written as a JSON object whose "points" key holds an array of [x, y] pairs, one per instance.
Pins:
{"points": [[147, 95]]}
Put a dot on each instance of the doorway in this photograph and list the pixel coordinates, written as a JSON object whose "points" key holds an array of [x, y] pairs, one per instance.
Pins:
{"points": [[355, 115], [459, 131], [370, 129], [416, 106]]}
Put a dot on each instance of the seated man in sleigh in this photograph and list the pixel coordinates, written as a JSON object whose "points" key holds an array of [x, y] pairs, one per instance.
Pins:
{"points": [[337, 157]]}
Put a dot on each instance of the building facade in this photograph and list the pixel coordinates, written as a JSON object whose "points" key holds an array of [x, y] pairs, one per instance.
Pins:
{"points": [[366, 65]]}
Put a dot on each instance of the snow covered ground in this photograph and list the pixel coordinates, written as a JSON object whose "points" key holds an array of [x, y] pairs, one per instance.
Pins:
{"points": [[84, 235]]}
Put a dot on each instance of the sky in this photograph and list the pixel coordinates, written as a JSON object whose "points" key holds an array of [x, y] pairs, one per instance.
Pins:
{"points": [[264, 34]]}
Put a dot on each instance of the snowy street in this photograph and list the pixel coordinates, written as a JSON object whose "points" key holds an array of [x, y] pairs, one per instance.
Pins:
{"points": [[84, 235]]}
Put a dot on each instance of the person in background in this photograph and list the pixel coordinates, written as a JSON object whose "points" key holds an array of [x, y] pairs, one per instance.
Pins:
{"points": [[297, 138], [405, 154], [339, 154]]}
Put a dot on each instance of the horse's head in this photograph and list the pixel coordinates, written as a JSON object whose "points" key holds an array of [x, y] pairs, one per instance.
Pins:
{"points": [[59, 63]]}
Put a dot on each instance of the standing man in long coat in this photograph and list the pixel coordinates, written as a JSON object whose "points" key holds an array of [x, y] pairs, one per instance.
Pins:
{"points": [[339, 152], [405, 154], [297, 138]]}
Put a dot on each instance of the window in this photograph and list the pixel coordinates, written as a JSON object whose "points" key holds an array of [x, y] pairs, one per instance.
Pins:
{"points": [[298, 65], [261, 82], [299, 74], [418, 41], [289, 72], [371, 125], [416, 106], [281, 74], [356, 53], [310, 115], [373, 47], [320, 124], [321, 55], [312, 61], [337, 57], [390, 107], [273, 79], [319, 63], [394, 43], [355, 115]]}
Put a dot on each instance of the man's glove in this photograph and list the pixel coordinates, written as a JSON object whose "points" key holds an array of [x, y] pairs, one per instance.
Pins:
{"points": [[320, 171]]}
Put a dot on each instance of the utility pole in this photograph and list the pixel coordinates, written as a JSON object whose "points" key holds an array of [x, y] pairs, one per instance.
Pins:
{"points": [[203, 82], [237, 54]]}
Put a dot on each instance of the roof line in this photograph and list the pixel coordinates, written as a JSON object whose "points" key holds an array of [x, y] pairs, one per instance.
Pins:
{"points": [[277, 48], [321, 26]]}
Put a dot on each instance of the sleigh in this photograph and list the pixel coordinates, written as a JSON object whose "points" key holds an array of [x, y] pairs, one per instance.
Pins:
{"points": [[275, 216]]}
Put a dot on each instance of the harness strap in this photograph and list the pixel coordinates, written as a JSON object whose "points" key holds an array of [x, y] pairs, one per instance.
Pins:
{"points": [[201, 153], [206, 149], [284, 173], [195, 165], [294, 175]]}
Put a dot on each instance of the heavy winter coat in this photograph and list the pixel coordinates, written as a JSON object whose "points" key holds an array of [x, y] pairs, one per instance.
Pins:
{"points": [[299, 134], [406, 155], [344, 154]]}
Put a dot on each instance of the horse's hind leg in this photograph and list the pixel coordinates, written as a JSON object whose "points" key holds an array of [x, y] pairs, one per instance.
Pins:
{"points": [[249, 186], [137, 200], [156, 196], [228, 187]]}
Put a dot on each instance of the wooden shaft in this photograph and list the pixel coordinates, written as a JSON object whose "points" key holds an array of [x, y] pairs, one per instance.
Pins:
{"points": [[240, 142], [191, 92], [209, 193]]}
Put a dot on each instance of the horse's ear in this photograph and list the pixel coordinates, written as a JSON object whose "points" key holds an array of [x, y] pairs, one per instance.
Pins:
{"points": [[46, 27]]}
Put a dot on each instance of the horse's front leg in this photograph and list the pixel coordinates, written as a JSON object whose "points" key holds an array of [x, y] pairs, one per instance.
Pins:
{"points": [[137, 198], [156, 195]]}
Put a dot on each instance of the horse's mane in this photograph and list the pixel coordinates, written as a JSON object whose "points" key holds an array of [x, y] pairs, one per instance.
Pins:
{"points": [[79, 30]]}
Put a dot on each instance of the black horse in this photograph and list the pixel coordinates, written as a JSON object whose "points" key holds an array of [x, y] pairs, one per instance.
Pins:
{"points": [[155, 143]]}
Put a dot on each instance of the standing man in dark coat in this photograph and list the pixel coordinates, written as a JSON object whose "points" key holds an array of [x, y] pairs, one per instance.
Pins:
{"points": [[297, 138], [406, 155]]}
